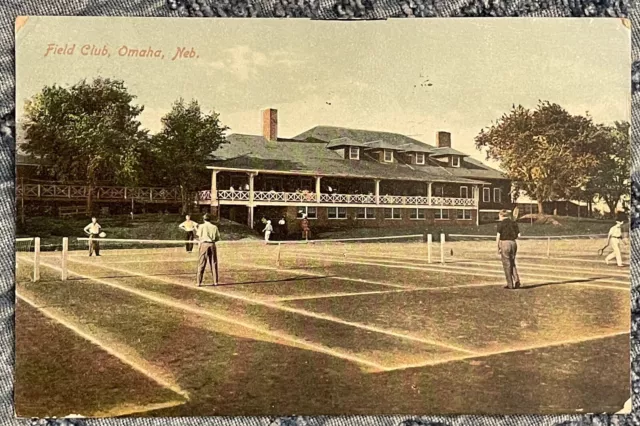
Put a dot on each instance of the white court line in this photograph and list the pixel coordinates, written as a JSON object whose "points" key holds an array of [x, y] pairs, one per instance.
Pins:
{"points": [[366, 293], [289, 309], [453, 269], [513, 350], [138, 365], [204, 312]]}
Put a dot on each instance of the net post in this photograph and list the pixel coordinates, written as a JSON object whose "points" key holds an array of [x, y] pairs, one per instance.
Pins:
{"points": [[36, 259], [548, 248], [279, 249], [429, 244], [65, 250], [442, 240]]}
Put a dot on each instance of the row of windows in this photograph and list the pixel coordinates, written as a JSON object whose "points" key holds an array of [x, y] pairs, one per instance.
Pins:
{"points": [[389, 213], [354, 154]]}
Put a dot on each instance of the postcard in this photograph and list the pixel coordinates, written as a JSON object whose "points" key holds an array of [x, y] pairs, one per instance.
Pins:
{"points": [[278, 217]]}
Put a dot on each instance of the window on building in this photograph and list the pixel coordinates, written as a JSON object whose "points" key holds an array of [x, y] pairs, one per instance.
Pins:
{"points": [[455, 161], [337, 212], [418, 214], [354, 153], [419, 157], [388, 156], [442, 214], [464, 192], [392, 214], [464, 214], [365, 213], [486, 195], [497, 195], [438, 190], [311, 212]]}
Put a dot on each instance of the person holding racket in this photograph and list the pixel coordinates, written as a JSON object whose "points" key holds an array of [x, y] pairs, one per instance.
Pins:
{"points": [[93, 231], [190, 227], [613, 239]]}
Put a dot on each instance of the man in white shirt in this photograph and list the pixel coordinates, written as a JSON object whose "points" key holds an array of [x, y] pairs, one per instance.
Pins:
{"points": [[613, 239], [190, 227], [208, 235], [93, 230]]}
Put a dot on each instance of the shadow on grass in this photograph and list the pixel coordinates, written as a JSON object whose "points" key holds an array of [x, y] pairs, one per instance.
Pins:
{"points": [[576, 281]]}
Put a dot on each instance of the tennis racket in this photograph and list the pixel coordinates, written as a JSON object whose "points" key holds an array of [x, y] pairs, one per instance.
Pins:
{"points": [[516, 213], [601, 251]]}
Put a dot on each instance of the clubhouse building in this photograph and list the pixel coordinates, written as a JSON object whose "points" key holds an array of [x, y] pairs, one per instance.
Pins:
{"points": [[341, 177]]}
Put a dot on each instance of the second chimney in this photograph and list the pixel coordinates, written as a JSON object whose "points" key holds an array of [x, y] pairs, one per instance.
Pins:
{"points": [[270, 124], [443, 140]]}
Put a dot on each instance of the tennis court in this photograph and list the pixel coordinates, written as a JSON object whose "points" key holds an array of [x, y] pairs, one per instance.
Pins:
{"points": [[390, 325]]}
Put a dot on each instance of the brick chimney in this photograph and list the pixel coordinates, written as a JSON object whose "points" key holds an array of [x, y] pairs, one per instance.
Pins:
{"points": [[270, 124], [443, 140]]}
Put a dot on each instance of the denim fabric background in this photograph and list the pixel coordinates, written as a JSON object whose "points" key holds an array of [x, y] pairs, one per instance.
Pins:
{"points": [[321, 9]]}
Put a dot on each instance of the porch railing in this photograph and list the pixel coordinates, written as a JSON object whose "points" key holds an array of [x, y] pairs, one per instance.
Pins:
{"points": [[311, 197], [106, 193]]}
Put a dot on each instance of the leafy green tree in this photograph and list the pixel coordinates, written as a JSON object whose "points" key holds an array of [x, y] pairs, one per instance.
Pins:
{"points": [[611, 178], [184, 147], [547, 152], [88, 132]]}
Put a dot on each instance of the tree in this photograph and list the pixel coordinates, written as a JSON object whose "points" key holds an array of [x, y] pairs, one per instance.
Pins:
{"points": [[546, 152], [88, 132], [611, 177], [184, 147]]}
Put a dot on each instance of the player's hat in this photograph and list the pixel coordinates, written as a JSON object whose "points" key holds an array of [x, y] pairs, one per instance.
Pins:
{"points": [[205, 217]]}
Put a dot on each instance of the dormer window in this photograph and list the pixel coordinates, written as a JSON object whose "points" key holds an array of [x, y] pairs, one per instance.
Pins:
{"points": [[455, 161], [354, 153], [388, 156], [419, 157]]}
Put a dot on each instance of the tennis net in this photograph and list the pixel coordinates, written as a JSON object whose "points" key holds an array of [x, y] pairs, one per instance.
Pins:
{"points": [[238, 260], [457, 247]]}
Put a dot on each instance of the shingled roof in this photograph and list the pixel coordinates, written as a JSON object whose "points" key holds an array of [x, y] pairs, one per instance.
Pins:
{"points": [[336, 143], [329, 133], [251, 152]]}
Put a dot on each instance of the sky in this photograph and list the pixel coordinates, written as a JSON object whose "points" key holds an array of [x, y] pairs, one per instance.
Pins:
{"points": [[368, 75]]}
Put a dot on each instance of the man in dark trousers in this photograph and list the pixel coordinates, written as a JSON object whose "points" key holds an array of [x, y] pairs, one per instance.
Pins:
{"points": [[190, 227], [508, 233], [208, 236], [93, 231]]}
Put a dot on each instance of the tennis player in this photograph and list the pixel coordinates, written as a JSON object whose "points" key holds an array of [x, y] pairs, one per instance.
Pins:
{"points": [[268, 229], [208, 235], [93, 230], [613, 239], [305, 227], [190, 227], [507, 235]]}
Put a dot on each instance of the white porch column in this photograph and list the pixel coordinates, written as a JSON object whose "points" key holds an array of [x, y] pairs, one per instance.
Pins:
{"points": [[377, 191], [429, 192], [318, 188], [251, 175], [214, 189], [476, 197], [250, 217]]}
